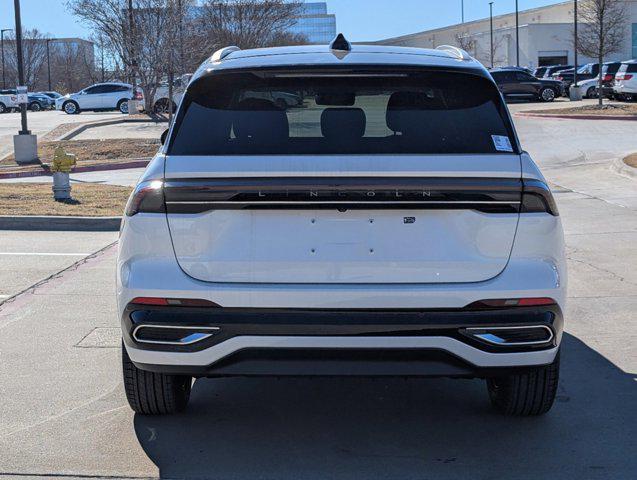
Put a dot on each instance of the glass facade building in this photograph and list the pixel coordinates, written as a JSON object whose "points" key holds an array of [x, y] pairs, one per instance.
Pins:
{"points": [[315, 23]]}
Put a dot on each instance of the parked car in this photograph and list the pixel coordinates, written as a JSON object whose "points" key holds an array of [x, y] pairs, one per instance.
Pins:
{"points": [[590, 70], [101, 96], [516, 84], [53, 95], [548, 73], [395, 226], [39, 101], [625, 85], [161, 95], [8, 102], [36, 103], [589, 88], [539, 72]]}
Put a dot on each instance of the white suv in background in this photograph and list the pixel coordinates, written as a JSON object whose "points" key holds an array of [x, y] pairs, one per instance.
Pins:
{"points": [[101, 96], [625, 85], [388, 223]]}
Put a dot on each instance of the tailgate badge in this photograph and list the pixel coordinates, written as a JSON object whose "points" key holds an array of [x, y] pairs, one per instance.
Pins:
{"points": [[409, 219]]}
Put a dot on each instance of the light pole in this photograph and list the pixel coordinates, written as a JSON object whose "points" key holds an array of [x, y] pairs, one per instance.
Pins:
{"points": [[517, 35], [25, 145], [48, 60], [575, 42], [462, 10], [4, 84], [491, 29]]}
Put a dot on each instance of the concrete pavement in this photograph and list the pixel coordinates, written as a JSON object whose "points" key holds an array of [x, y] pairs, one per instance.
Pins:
{"points": [[63, 412], [41, 123]]}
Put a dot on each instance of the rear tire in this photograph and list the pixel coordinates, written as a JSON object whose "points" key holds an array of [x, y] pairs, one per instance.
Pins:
{"points": [[3, 108], [590, 93], [526, 394], [150, 393], [35, 107], [547, 94], [122, 106]]}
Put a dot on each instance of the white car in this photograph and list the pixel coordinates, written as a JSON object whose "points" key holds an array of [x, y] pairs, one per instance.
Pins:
{"points": [[625, 85], [389, 225], [180, 83], [8, 102], [587, 88], [101, 96]]}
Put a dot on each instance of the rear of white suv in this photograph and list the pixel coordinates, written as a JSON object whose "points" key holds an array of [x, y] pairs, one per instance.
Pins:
{"points": [[386, 224], [625, 84]]}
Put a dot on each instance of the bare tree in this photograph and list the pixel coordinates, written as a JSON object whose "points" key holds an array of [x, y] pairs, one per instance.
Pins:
{"points": [[33, 54], [251, 23], [602, 32], [466, 42]]}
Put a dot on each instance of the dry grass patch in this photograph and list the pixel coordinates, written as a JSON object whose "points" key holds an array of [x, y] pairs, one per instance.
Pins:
{"points": [[626, 109], [96, 151], [37, 199], [631, 160]]}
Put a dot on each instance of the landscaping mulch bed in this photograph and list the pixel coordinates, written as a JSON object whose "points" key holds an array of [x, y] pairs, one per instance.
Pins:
{"points": [[631, 160], [95, 151], [615, 109], [37, 199]]}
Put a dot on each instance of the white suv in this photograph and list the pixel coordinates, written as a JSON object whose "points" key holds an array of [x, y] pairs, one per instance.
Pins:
{"points": [[101, 96], [625, 85], [389, 224]]}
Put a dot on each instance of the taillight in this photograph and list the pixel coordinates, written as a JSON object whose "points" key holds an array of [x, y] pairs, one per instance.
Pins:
{"points": [[607, 78], [559, 78], [148, 197], [537, 197], [175, 302], [510, 302], [627, 76]]}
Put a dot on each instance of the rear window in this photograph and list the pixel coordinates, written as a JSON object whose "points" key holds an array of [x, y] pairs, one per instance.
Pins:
{"points": [[628, 68], [331, 112]]}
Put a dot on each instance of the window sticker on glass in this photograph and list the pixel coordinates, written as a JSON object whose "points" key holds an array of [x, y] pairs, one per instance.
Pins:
{"points": [[502, 143]]}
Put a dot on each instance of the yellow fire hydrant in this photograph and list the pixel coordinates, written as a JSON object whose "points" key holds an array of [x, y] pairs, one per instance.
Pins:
{"points": [[62, 165]]}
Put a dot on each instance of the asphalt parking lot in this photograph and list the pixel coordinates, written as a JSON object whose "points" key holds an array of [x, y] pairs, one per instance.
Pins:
{"points": [[63, 411]]}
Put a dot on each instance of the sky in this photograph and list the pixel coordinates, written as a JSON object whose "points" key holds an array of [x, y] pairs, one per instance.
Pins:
{"points": [[359, 20]]}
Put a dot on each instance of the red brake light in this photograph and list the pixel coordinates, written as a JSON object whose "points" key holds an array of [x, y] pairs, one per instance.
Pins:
{"points": [[559, 78], [510, 302], [627, 76], [177, 302], [147, 197], [607, 78]]}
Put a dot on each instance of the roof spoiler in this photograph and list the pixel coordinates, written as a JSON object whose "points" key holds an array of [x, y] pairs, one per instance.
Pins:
{"points": [[223, 53], [455, 52]]}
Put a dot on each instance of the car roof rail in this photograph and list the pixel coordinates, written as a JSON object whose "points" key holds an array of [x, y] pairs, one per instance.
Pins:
{"points": [[455, 52], [223, 53]]}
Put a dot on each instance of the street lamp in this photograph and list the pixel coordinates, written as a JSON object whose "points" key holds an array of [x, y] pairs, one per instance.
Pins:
{"points": [[4, 84], [462, 10], [517, 36], [575, 43], [491, 29], [48, 60], [25, 145]]}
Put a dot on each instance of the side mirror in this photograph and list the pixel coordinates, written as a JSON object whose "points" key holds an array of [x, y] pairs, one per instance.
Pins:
{"points": [[164, 135]]}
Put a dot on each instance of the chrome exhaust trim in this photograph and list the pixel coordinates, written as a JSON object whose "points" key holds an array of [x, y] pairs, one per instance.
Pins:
{"points": [[490, 335], [191, 334]]}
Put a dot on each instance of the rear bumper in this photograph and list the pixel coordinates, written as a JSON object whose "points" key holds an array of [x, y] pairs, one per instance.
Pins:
{"points": [[346, 342]]}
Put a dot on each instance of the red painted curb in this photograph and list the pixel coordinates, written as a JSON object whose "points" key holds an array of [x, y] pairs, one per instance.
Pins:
{"points": [[91, 168], [575, 117]]}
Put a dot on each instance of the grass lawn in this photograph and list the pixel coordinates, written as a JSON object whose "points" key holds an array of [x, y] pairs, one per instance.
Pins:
{"points": [[37, 199]]}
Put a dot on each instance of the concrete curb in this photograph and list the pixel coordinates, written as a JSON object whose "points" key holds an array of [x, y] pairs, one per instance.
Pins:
{"points": [[576, 117], [102, 123], [60, 223], [621, 168], [133, 163]]}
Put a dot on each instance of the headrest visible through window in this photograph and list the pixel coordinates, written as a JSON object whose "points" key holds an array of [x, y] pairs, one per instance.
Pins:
{"points": [[260, 120], [343, 123]]}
